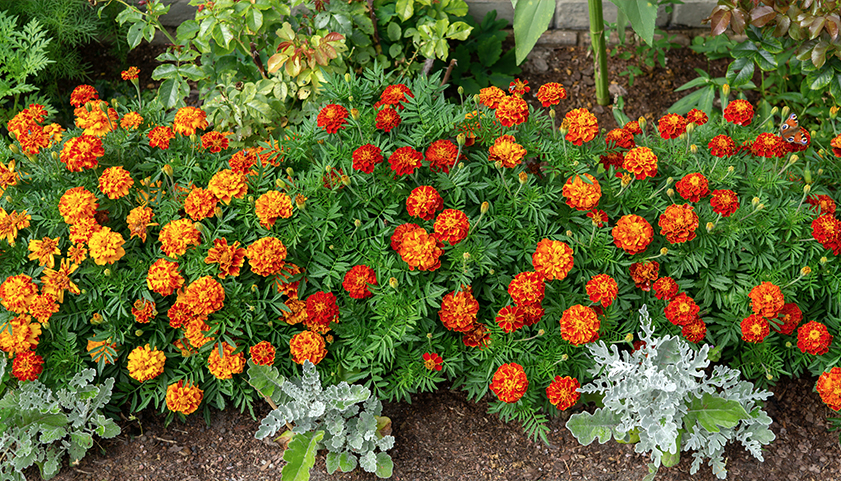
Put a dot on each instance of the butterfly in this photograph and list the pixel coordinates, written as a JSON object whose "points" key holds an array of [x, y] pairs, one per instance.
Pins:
{"points": [[791, 131]]}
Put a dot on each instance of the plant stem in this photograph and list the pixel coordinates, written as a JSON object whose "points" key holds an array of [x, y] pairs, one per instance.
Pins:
{"points": [[599, 50]]}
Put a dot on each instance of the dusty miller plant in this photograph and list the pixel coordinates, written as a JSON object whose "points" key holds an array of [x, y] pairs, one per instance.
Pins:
{"points": [[324, 419], [660, 397]]}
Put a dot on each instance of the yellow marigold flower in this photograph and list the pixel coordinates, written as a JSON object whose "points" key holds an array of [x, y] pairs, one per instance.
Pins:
{"points": [[131, 120], [83, 94], [138, 220], [53, 131], [188, 119], [145, 363], [97, 122], [271, 206], [307, 346], [44, 251], [266, 256], [106, 247], [55, 282], [262, 353], [580, 325], [226, 185], [17, 293], [160, 137], [115, 182], [77, 203], [230, 258], [508, 151], [225, 367], [194, 332], [580, 194], [20, 335], [552, 259], [183, 398], [10, 224], [177, 235]]}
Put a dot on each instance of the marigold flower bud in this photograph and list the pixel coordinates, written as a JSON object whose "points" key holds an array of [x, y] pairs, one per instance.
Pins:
{"points": [[754, 202], [690, 128], [670, 193], [393, 282], [138, 333], [346, 180], [328, 168], [167, 169], [290, 171], [823, 260], [350, 98], [626, 179], [88, 106], [563, 130], [107, 272], [683, 135], [541, 332], [491, 271], [498, 164], [429, 335], [461, 139], [331, 247], [575, 163], [96, 319], [564, 357], [805, 271], [725, 89], [328, 338], [820, 171], [629, 337], [253, 287], [693, 148], [460, 90], [794, 158], [476, 98], [760, 207], [300, 202], [354, 113], [524, 177], [664, 251], [569, 233], [466, 256], [357, 222], [807, 188], [730, 169], [193, 138], [788, 344], [251, 199], [710, 226], [15, 150], [30, 157], [552, 114], [670, 180], [833, 111], [769, 376], [347, 77], [785, 112], [54, 155]]}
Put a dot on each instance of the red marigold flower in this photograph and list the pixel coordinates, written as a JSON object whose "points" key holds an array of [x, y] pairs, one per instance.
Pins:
{"points": [[200, 204], [271, 206], [214, 141], [665, 288], [551, 94], [681, 310], [563, 392], [602, 289], [678, 223], [533, 312], [768, 145], [694, 331], [243, 161], [789, 318], [672, 126], [405, 160], [766, 299], [822, 204], [130, 74], [442, 155], [829, 388], [27, 366], [632, 234], [424, 202], [512, 111], [510, 383], [82, 95], [813, 338], [722, 146], [452, 226], [388, 119], [478, 336], [599, 217], [332, 118], [644, 273], [739, 112], [399, 232], [580, 325], [321, 311], [394, 95], [552, 259], [230, 258], [115, 182], [188, 119], [43, 306], [432, 361], [697, 117], [527, 288], [491, 96], [204, 296], [826, 229], [307, 346], [835, 143], [163, 277], [262, 353], [266, 256], [612, 159], [143, 311], [177, 235], [160, 137], [619, 139], [724, 202], [507, 150], [519, 87], [366, 157], [581, 125], [633, 127], [459, 310], [333, 179], [183, 398], [420, 249], [582, 194], [82, 152], [510, 318], [754, 328], [693, 187], [641, 162], [357, 279]]}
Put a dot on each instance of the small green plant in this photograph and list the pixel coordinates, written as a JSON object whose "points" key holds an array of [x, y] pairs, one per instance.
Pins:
{"points": [[23, 53], [39, 425], [481, 61], [659, 398], [324, 419], [646, 54]]}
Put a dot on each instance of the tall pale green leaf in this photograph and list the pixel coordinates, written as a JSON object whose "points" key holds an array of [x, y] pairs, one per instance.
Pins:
{"points": [[642, 14], [300, 456], [713, 412], [587, 427], [531, 19]]}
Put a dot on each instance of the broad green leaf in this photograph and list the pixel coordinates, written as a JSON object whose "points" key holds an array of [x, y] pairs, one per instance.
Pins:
{"points": [[835, 88], [395, 50], [714, 412], [332, 462], [456, 8], [765, 60], [489, 50], [134, 35], [744, 49], [254, 19], [79, 444], [642, 14], [192, 72], [820, 79], [165, 71], [531, 19], [172, 93], [740, 71], [187, 30], [347, 462], [394, 31], [223, 35], [587, 427], [300, 456], [385, 466], [405, 9], [459, 31]]}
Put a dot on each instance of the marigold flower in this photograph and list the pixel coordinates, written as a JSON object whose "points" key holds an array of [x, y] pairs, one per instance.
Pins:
{"points": [[491, 96], [194, 329], [357, 279], [160, 137], [835, 143], [754, 328], [82, 152], [693, 187], [697, 117], [321, 311], [424, 202], [679, 223], [582, 126], [619, 138], [509, 383], [243, 162], [432, 361], [512, 111], [82, 95], [506, 150], [55, 281], [394, 95], [766, 299], [552, 260], [115, 182], [366, 157], [332, 118], [581, 194], [10, 224], [672, 126], [477, 336], [644, 273], [405, 160], [527, 288], [633, 127], [681, 310], [739, 112], [225, 367], [17, 293], [44, 251], [641, 162], [388, 119], [789, 318], [77, 203], [826, 229], [813, 338], [282, 283], [632, 234], [177, 235], [183, 398], [724, 202], [214, 141], [266, 256], [822, 204], [204, 296], [599, 217], [519, 87], [510, 318], [307, 346], [19, 335], [131, 120], [262, 353], [145, 363], [226, 184], [563, 392], [665, 288], [230, 258], [722, 146], [106, 247], [452, 226], [419, 249], [271, 206], [580, 325], [533, 313], [188, 119], [43, 307], [769, 145], [27, 366], [694, 331], [459, 310], [143, 311], [551, 94], [399, 232], [130, 74], [298, 311], [829, 388], [99, 121], [200, 204], [602, 289], [442, 155]]}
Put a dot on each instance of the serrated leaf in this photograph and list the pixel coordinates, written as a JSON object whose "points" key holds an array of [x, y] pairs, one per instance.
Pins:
{"points": [[587, 427], [300, 456]]}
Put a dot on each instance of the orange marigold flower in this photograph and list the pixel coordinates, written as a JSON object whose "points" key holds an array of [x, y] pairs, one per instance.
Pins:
{"points": [[43, 307], [266, 256], [297, 311], [599, 217], [177, 235], [160, 137], [145, 363], [27, 366], [10, 224], [563, 392], [754, 328], [813, 338], [405, 160], [582, 126], [633, 127], [131, 120], [519, 87], [835, 143], [766, 299], [388, 119], [226, 184], [739, 112], [722, 146], [19, 335], [138, 220], [724, 202], [512, 111], [470, 126], [769, 145], [399, 232], [424, 202], [143, 311], [243, 161], [307, 346], [99, 121], [641, 162], [665, 288], [789, 318], [332, 118], [115, 182], [130, 74], [829, 388], [82, 95], [552, 260], [262, 353], [432, 361], [632, 234], [183, 398], [420, 249], [602, 289], [17, 293], [442, 155], [612, 159], [44, 251], [511, 318], [678, 223], [214, 141], [619, 138], [693, 187], [822, 204], [582, 194], [33, 139], [230, 258], [478, 336], [80, 153], [394, 95], [357, 279], [508, 151], [106, 247], [200, 204], [459, 310], [510, 383], [366, 157], [188, 119], [271, 206], [321, 311], [533, 312], [697, 117], [181, 315], [551, 94], [681, 310], [527, 288], [826, 229], [452, 226], [55, 281], [491, 96], [671, 126], [694, 331], [580, 325], [225, 366]]}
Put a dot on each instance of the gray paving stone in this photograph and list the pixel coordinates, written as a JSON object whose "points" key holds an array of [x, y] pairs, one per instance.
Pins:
{"points": [[692, 12]]}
